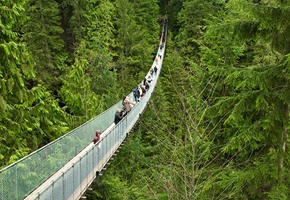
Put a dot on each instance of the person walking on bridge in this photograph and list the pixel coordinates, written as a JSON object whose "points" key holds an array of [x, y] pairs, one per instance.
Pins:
{"points": [[128, 103], [97, 136], [118, 116], [136, 94]]}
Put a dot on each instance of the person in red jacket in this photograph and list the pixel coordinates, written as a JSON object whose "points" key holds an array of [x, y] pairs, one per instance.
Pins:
{"points": [[97, 136]]}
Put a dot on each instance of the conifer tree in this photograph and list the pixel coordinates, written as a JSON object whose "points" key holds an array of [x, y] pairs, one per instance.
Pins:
{"points": [[30, 115], [92, 64], [74, 21], [101, 41], [42, 33], [249, 108], [147, 16], [192, 28], [173, 8], [132, 48], [13, 92]]}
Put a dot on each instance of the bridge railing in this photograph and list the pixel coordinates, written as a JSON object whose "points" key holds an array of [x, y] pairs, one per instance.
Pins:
{"points": [[21, 178], [73, 180]]}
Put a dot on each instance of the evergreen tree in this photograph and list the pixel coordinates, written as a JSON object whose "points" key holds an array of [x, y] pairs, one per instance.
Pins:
{"points": [[100, 40], [74, 21], [233, 143], [42, 33], [132, 47], [30, 115], [248, 106], [173, 8], [15, 66], [192, 20], [91, 70], [147, 15]]}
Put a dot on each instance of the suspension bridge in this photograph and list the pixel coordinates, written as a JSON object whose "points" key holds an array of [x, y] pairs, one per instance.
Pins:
{"points": [[65, 168]]}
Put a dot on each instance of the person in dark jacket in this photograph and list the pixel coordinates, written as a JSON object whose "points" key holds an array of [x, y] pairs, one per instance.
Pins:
{"points": [[151, 71], [144, 80], [97, 137], [136, 93], [163, 39], [155, 69], [118, 116], [147, 86]]}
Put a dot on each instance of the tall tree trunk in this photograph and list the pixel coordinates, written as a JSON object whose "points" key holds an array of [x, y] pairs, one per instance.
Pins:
{"points": [[284, 137]]}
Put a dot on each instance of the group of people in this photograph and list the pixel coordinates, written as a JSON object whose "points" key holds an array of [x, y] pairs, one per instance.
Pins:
{"points": [[138, 92], [141, 89], [127, 104]]}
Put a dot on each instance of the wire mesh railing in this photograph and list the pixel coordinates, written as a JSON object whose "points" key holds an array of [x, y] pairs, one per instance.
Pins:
{"points": [[22, 177]]}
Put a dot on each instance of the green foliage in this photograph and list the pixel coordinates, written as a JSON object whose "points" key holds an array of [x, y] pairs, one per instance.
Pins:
{"points": [[266, 20], [76, 92], [114, 188], [42, 33], [99, 41], [13, 93], [75, 20], [89, 86], [30, 116], [173, 8], [134, 40], [147, 13], [218, 123], [247, 115], [222, 111], [192, 28]]}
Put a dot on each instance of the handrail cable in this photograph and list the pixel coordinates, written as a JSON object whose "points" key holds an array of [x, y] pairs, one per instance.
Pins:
{"points": [[22, 178]]}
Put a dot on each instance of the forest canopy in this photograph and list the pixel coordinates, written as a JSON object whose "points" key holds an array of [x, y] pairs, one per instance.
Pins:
{"points": [[217, 125]]}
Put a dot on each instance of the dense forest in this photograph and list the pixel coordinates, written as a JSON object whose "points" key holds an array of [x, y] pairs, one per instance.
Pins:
{"points": [[217, 125]]}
